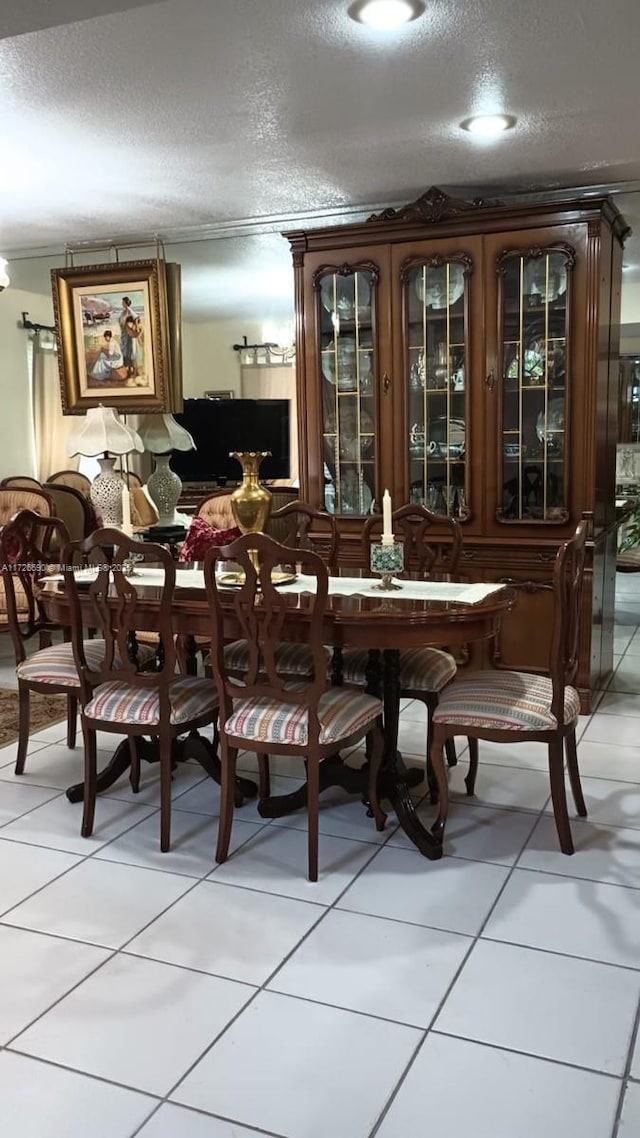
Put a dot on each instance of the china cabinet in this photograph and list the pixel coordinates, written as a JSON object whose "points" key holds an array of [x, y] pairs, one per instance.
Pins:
{"points": [[464, 355]]}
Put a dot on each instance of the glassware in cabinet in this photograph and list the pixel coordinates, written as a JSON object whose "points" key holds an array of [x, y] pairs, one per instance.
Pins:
{"points": [[347, 350], [436, 335], [534, 290]]}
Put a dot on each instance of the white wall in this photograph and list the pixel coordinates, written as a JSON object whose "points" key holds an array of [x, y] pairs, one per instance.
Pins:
{"points": [[16, 421], [209, 362]]}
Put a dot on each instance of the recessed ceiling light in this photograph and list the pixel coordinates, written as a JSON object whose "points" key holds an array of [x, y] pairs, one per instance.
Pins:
{"points": [[384, 15], [488, 125]]}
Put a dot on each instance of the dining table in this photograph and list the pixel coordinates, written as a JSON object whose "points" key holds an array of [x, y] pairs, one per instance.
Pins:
{"points": [[358, 614]]}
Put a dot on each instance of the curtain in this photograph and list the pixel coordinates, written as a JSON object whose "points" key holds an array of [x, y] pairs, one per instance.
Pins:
{"points": [[275, 382], [51, 427]]}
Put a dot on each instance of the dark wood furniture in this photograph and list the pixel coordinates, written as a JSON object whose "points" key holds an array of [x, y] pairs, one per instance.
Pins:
{"points": [[72, 478], [115, 695], [387, 624], [24, 551], [311, 719], [74, 509], [514, 707], [464, 355], [20, 481]]}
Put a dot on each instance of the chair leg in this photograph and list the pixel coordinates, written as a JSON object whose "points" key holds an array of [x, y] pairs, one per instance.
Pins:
{"points": [[134, 768], [90, 779], [313, 809], [264, 782], [72, 720], [431, 702], [470, 780], [377, 753], [436, 755], [559, 796], [23, 730], [165, 792], [450, 751], [227, 792], [574, 774]]}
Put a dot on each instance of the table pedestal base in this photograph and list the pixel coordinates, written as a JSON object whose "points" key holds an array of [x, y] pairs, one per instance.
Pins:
{"points": [[192, 746]]}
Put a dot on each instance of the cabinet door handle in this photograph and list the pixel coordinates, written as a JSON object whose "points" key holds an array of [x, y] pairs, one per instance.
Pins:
{"points": [[490, 380], [386, 384]]}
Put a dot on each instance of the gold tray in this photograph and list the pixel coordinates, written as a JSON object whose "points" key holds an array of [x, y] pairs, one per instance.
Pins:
{"points": [[236, 580]]}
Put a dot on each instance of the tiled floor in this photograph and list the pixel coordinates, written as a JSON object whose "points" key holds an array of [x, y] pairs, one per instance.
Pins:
{"points": [[494, 993]]}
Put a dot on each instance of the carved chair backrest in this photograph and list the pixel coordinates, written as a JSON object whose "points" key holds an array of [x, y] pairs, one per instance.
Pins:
{"points": [[25, 556], [432, 542], [259, 613], [303, 527], [568, 573]]}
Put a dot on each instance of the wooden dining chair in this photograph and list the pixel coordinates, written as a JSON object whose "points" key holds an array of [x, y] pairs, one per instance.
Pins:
{"points": [[20, 482], [432, 549], [512, 707], [72, 478], [267, 711], [116, 694]]}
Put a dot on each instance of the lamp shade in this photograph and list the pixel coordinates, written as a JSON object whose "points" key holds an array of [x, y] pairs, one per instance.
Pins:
{"points": [[102, 432], [161, 434]]}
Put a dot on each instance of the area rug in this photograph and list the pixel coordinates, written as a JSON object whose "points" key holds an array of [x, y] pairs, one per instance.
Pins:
{"points": [[43, 711]]}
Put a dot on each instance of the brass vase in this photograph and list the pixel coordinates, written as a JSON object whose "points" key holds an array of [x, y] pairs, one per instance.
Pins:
{"points": [[251, 502]]}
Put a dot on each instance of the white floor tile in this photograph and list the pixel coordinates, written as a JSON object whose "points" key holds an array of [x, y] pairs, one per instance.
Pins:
{"points": [[16, 799], [275, 861], [343, 816], [178, 1122], [635, 1062], [491, 1002], [204, 798], [500, 785], [608, 760], [236, 933], [476, 832], [136, 1022], [468, 1089], [52, 765], [8, 754], [24, 868], [65, 1103], [623, 730], [57, 823], [610, 803], [35, 971], [193, 843], [521, 756], [603, 853], [385, 968], [561, 914], [449, 894], [630, 1118], [284, 1043], [620, 702], [626, 678], [100, 902], [185, 776]]}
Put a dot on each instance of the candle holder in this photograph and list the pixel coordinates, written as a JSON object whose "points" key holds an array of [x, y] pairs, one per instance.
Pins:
{"points": [[387, 560]]}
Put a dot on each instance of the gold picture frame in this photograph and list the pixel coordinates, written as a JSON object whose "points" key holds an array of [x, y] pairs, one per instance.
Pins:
{"points": [[114, 344]]}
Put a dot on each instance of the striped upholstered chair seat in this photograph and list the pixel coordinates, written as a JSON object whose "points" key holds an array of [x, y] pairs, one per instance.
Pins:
{"points": [[291, 659], [340, 714], [56, 665], [421, 669], [119, 702], [504, 701]]}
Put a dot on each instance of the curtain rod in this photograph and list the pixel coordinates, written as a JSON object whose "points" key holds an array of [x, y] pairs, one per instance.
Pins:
{"points": [[33, 326]]}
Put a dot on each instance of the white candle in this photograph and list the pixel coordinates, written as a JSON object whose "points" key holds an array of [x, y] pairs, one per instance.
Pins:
{"points": [[387, 530], [126, 512]]}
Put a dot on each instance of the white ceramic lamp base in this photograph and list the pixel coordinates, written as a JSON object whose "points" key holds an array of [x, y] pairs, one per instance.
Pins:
{"points": [[165, 488], [106, 493]]}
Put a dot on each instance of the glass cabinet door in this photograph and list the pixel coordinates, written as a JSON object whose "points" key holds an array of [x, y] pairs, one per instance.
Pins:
{"points": [[345, 306], [534, 287], [436, 335]]}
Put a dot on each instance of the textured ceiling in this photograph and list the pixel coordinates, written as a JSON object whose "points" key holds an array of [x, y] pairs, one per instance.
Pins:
{"points": [[189, 116]]}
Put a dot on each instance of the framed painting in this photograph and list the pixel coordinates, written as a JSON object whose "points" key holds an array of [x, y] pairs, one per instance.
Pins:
{"points": [[113, 337]]}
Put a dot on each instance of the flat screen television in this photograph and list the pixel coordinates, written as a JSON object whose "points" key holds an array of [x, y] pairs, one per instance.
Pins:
{"points": [[222, 425]]}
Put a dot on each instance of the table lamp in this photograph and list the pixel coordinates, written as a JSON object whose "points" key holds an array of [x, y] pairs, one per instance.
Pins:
{"points": [[102, 435], [160, 435]]}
